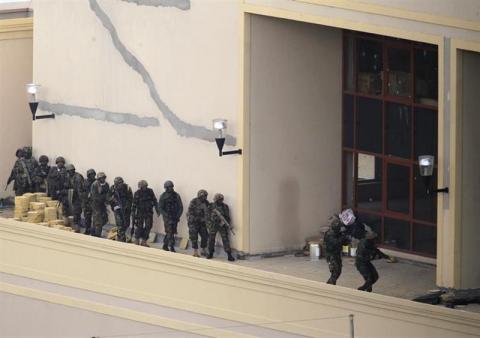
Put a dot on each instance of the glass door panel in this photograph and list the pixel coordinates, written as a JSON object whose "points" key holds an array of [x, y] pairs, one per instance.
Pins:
{"points": [[424, 205], [398, 130], [425, 238], [369, 125], [426, 76], [348, 177], [399, 72], [348, 120], [398, 188], [425, 132], [370, 67], [397, 233], [369, 182]]}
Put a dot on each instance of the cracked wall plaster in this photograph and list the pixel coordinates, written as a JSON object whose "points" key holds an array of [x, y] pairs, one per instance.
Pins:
{"points": [[180, 4], [99, 114], [182, 128]]}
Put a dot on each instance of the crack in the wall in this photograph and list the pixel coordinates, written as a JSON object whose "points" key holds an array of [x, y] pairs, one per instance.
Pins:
{"points": [[180, 4], [99, 114], [181, 127]]}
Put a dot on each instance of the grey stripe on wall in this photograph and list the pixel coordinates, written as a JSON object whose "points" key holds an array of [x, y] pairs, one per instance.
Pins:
{"points": [[180, 4]]}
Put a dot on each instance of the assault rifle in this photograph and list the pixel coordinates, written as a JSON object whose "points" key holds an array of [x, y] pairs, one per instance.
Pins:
{"points": [[223, 220]]}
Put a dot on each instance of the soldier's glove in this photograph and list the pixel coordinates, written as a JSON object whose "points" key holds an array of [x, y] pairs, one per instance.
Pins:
{"points": [[117, 207]]}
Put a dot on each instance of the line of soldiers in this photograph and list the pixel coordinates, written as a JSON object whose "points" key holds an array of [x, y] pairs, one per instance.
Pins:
{"points": [[343, 229], [93, 195]]}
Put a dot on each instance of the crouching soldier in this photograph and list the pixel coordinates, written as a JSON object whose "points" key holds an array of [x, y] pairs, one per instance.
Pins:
{"points": [[219, 221], [121, 203], [144, 201], [197, 219], [334, 240], [74, 187], [99, 194]]}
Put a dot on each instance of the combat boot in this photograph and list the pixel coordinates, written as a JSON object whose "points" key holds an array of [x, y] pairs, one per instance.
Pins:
{"points": [[136, 241], [230, 257], [195, 253], [87, 231], [210, 255], [204, 252], [172, 249], [144, 243], [165, 247]]}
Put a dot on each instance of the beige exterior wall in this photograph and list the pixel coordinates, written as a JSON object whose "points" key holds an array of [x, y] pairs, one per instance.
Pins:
{"points": [[295, 135], [15, 118], [470, 213]]}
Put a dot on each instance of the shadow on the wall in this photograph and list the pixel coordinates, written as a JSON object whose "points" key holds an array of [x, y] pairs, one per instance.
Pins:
{"points": [[288, 216]]}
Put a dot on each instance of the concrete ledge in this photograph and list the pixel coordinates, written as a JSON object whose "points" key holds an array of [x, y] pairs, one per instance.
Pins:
{"points": [[218, 289]]}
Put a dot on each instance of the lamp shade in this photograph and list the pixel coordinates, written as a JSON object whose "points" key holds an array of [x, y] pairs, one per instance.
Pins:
{"points": [[426, 163], [32, 88]]}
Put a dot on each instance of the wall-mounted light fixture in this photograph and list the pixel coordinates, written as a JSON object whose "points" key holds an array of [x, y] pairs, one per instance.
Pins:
{"points": [[32, 91], [220, 125], [426, 163]]}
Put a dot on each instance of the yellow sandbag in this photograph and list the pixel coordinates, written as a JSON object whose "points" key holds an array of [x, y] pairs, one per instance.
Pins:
{"points": [[50, 214], [51, 203], [24, 218], [21, 203], [35, 216], [55, 222], [32, 197], [37, 206], [40, 194], [44, 199], [45, 224]]}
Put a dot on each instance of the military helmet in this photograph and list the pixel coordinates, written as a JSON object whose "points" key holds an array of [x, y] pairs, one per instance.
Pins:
{"points": [[101, 175], [60, 159], [91, 172], [27, 150], [217, 197], [43, 158], [69, 167], [168, 184], [142, 184], [118, 180], [201, 193], [19, 152]]}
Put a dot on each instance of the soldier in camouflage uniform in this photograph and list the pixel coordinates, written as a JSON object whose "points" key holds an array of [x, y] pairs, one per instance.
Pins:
{"points": [[144, 201], [74, 193], [121, 203], [197, 219], [366, 252], [87, 201], [20, 175], [31, 163], [219, 221], [57, 180], [100, 197], [40, 174], [334, 240], [171, 208]]}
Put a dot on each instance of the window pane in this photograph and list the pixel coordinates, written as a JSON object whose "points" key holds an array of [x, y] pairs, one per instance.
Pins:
{"points": [[399, 74], [426, 76], [398, 188], [369, 183], [348, 121], [425, 238], [373, 221], [370, 66], [369, 125], [425, 133], [398, 130], [349, 75], [397, 233], [425, 205], [348, 177]]}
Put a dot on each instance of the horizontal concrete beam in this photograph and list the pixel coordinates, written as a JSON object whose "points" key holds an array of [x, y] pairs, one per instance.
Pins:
{"points": [[218, 289]]}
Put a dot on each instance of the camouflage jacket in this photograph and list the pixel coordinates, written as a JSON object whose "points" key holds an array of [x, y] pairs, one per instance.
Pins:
{"points": [[40, 174], [197, 211], [143, 202], [31, 164], [121, 196], [57, 181], [77, 183], [171, 207], [334, 242], [99, 195], [87, 186], [20, 174], [214, 221], [365, 251]]}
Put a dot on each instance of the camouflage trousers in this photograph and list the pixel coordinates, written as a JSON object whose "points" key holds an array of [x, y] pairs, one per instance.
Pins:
{"points": [[122, 222], [212, 236], [170, 231], [87, 215], [76, 211], [196, 229], [143, 226], [335, 267], [368, 272], [20, 190], [100, 218]]}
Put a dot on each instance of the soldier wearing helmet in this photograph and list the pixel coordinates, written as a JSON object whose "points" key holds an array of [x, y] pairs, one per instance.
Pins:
{"points": [[99, 194], [197, 219], [40, 174], [20, 175], [31, 164], [219, 221], [57, 180], [144, 201], [121, 204], [334, 240], [74, 192], [87, 202], [171, 208]]}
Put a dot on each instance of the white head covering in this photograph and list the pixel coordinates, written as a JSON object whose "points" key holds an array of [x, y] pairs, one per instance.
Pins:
{"points": [[347, 217]]}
